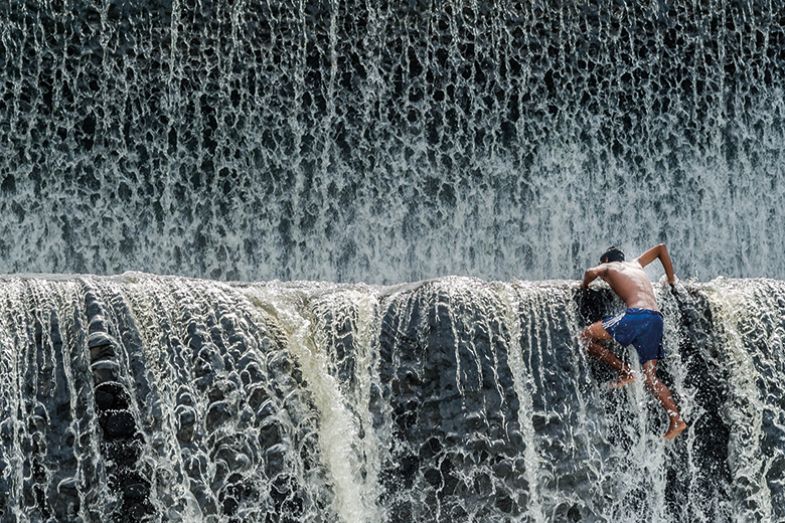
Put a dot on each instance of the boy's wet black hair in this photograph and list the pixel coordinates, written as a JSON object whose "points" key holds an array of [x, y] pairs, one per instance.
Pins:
{"points": [[613, 254]]}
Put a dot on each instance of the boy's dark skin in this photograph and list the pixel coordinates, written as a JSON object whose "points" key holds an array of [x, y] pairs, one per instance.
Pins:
{"points": [[630, 283]]}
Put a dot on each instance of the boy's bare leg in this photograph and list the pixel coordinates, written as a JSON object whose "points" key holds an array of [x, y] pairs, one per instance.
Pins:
{"points": [[591, 337], [676, 424]]}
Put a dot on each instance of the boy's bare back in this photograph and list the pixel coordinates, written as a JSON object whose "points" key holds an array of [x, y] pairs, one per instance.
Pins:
{"points": [[628, 279], [630, 282]]}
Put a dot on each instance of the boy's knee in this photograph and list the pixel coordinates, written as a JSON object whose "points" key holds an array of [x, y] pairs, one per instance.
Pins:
{"points": [[587, 342]]}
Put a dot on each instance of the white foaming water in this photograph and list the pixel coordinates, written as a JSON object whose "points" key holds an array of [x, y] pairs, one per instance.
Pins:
{"points": [[363, 141], [163, 399], [344, 453], [523, 386], [747, 408]]}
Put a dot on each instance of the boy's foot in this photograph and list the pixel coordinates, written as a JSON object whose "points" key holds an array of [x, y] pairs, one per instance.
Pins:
{"points": [[624, 380], [676, 428]]}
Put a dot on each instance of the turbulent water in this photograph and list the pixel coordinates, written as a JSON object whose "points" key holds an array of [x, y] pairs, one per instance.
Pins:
{"points": [[141, 398], [384, 142], [387, 141]]}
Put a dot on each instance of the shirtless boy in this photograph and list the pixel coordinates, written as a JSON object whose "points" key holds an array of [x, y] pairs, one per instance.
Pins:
{"points": [[640, 325]]}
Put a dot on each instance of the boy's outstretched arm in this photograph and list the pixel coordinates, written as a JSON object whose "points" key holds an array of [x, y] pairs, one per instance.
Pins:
{"points": [[659, 251]]}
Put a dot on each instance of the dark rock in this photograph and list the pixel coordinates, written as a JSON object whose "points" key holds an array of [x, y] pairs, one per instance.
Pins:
{"points": [[110, 395], [105, 370], [99, 340], [219, 413], [186, 419], [135, 491], [117, 424]]}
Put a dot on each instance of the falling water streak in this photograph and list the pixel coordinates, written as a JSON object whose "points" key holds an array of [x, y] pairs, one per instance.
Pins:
{"points": [[523, 384], [538, 342], [459, 312], [80, 339], [29, 411], [337, 429], [684, 396], [154, 311], [772, 363], [582, 378], [745, 413], [12, 404], [367, 326], [106, 315], [361, 307], [492, 312], [459, 375], [75, 429]]}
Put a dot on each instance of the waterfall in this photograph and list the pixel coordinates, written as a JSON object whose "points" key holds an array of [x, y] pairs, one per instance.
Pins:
{"points": [[290, 165], [376, 141], [148, 398]]}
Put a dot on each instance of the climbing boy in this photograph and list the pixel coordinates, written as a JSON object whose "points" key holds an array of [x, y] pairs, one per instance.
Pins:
{"points": [[641, 325]]}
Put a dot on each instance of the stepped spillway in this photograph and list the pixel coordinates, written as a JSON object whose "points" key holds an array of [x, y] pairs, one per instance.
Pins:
{"points": [[166, 399]]}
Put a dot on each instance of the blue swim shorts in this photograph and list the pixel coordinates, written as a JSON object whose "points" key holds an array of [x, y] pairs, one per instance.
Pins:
{"points": [[641, 328]]}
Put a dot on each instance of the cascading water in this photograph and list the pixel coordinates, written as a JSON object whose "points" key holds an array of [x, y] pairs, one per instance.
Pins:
{"points": [[141, 398], [385, 142], [389, 141]]}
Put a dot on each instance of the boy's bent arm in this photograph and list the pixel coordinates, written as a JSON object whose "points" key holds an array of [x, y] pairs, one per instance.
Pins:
{"points": [[592, 274], [659, 251]]}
